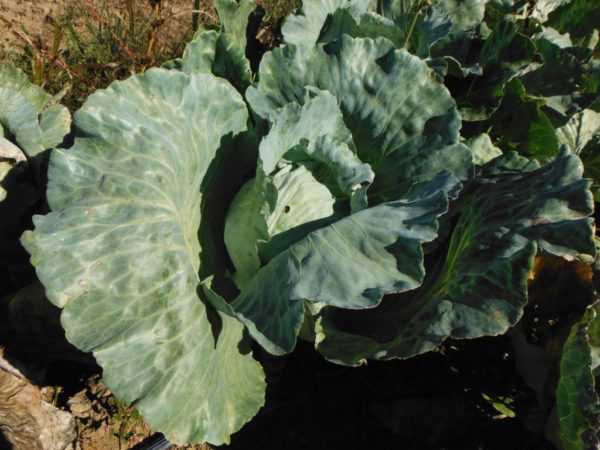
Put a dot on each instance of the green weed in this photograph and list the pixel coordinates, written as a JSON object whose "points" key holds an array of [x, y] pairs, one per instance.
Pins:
{"points": [[125, 423]]}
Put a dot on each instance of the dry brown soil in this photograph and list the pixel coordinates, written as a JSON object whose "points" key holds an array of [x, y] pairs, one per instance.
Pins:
{"points": [[30, 15], [34, 19]]}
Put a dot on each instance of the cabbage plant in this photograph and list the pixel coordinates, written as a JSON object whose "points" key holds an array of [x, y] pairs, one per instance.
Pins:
{"points": [[577, 402], [334, 198], [32, 122]]}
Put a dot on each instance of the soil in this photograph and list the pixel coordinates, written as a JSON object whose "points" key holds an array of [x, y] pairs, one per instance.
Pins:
{"points": [[24, 20], [27, 16], [101, 421]]}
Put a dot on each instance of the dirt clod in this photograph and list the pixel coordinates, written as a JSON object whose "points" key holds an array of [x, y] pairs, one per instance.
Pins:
{"points": [[26, 420]]}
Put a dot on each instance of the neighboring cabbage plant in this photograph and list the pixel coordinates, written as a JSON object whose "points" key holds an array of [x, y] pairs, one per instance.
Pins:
{"points": [[517, 70], [334, 197], [31, 123], [577, 402], [29, 117]]}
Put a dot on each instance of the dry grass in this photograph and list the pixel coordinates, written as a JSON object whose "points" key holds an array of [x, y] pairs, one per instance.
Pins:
{"points": [[80, 46], [88, 44]]}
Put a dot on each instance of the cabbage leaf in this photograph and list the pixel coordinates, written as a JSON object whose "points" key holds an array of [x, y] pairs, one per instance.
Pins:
{"points": [[120, 252]]}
